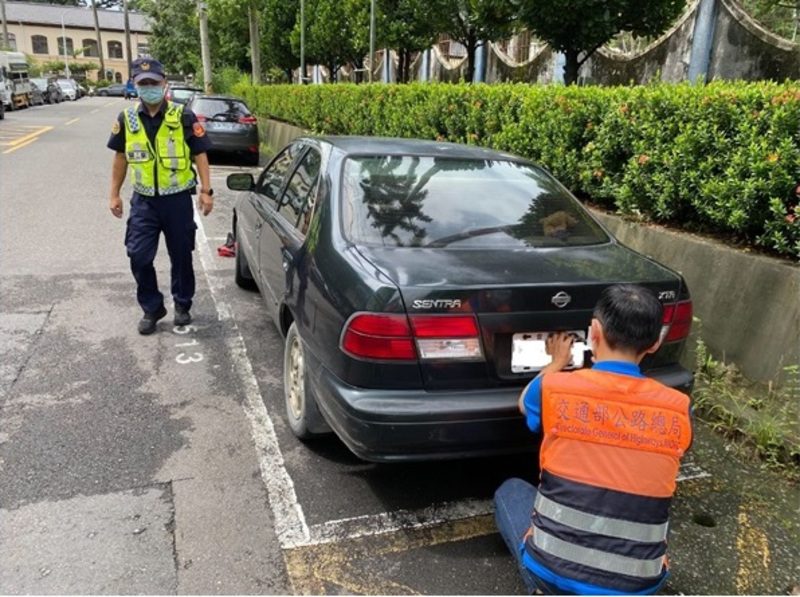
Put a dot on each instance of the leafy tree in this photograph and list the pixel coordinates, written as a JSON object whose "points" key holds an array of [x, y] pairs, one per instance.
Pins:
{"points": [[579, 27], [278, 19], [779, 16], [229, 34], [407, 26], [175, 35], [471, 22], [332, 33]]}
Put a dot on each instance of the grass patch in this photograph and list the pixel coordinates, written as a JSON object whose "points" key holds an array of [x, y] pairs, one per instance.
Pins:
{"points": [[762, 420]]}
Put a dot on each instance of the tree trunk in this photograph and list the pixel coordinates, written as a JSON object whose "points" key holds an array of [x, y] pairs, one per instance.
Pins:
{"points": [[472, 44], [332, 71], [403, 57], [102, 74], [359, 65], [571, 67], [255, 43]]}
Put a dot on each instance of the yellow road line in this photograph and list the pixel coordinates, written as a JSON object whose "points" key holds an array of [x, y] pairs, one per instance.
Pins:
{"points": [[95, 111], [20, 146], [752, 547], [35, 133], [356, 565], [73, 121], [111, 103]]}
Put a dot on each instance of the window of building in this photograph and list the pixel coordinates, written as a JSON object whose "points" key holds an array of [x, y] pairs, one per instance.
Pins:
{"points": [[90, 48], [12, 41], [39, 43], [142, 50], [118, 77], [115, 49], [70, 48]]}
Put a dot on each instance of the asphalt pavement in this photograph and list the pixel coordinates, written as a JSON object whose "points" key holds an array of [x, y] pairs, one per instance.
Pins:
{"points": [[163, 464]]}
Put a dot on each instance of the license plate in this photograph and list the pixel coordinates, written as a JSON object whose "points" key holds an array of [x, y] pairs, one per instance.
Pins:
{"points": [[225, 126], [528, 352]]}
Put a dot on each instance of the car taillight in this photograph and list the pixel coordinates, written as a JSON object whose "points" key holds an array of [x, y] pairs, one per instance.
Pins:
{"points": [[677, 321], [379, 336], [447, 336], [384, 336], [247, 120]]}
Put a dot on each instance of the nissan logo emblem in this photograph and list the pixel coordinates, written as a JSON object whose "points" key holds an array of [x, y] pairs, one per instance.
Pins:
{"points": [[561, 300]]}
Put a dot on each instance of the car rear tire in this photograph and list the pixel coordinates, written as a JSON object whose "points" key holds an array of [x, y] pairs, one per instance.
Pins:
{"points": [[302, 412]]}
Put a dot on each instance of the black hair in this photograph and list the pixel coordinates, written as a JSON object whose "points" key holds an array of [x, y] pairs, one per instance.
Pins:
{"points": [[631, 316]]}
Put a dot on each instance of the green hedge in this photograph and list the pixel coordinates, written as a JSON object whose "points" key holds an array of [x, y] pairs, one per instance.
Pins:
{"points": [[719, 158]]}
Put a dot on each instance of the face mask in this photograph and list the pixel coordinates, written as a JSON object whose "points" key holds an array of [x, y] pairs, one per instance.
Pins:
{"points": [[150, 94]]}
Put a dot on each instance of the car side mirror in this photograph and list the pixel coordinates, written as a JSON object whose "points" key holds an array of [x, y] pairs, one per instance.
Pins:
{"points": [[241, 182]]}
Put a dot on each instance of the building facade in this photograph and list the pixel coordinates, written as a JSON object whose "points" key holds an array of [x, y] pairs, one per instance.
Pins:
{"points": [[55, 33]]}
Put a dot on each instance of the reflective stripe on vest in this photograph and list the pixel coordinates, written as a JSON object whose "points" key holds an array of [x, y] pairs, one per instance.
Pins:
{"points": [[602, 525], [595, 558], [609, 459], [166, 167]]}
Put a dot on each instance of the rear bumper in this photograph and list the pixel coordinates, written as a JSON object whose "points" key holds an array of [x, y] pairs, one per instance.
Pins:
{"points": [[232, 143], [408, 425]]}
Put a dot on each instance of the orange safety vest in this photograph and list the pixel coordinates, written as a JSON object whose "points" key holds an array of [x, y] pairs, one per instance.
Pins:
{"points": [[609, 461]]}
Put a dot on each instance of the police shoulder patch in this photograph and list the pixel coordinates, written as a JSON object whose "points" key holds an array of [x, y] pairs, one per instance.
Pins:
{"points": [[115, 128], [198, 129]]}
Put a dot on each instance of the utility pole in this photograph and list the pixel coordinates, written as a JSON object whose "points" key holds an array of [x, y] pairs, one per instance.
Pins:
{"points": [[205, 52], [99, 41], [128, 38], [302, 42], [5, 26], [371, 38], [255, 43]]}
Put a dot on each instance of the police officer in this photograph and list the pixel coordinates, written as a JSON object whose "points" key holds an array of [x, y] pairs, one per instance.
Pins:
{"points": [[161, 143]]}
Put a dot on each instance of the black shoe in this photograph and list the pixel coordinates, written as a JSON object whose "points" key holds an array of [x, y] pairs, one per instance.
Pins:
{"points": [[182, 316], [147, 325]]}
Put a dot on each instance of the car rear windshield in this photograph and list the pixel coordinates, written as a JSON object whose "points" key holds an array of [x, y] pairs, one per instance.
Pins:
{"points": [[411, 201], [220, 108], [183, 94]]}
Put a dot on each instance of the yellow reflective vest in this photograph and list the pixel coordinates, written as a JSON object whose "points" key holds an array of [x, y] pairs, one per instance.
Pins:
{"points": [[165, 168]]}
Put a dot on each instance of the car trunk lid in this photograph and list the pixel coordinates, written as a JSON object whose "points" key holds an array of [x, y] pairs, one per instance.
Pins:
{"points": [[525, 291]]}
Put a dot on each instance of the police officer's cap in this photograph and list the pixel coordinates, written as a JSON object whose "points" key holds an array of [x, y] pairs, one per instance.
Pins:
{"points": [[147, 68]]}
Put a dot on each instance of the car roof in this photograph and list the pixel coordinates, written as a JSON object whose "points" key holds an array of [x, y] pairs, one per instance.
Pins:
{"points": [[358, 145], [184, 86]]}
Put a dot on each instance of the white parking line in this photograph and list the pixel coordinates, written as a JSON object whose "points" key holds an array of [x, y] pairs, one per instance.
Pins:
{"points": [[290, 521]]}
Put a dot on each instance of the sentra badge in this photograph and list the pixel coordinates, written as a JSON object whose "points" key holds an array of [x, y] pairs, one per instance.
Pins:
{"points": [[436, 304]]}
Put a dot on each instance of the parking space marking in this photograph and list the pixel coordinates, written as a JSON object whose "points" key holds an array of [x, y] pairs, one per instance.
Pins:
{"points": [[73, 121], [15, 140], [294, 534], [290, 523], [111, 103], [20, 145], [311, 568], [95, 111]]}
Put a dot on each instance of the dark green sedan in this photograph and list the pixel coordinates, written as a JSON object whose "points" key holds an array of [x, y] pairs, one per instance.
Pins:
{"points": [[415, 283]]}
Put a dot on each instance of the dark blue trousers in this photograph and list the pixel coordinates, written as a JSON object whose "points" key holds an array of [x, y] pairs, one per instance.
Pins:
{"points": [[149, 217], [513, 505]]}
